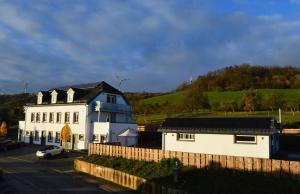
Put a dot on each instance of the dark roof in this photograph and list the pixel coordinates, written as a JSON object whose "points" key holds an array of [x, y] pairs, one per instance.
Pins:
{"points": [[83, 92], [220, 125]]}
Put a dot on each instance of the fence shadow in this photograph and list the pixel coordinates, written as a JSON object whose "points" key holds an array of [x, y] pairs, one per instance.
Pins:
{"points": [[213, 179]]}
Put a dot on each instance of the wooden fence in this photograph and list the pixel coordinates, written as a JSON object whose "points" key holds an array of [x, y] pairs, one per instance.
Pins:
{"points": [[124, 179], [278, 167]]}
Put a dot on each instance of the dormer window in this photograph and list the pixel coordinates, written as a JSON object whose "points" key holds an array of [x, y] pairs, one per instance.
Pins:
{"points": [[40, 98], [70, 93], [53, 97]]}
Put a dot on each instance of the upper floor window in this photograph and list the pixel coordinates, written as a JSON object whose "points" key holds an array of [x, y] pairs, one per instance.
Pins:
{"points": [[186, 136], [76, 117], [58, 117], [44, 117], [32, 117], [67, 117], [51, 117], [38, 117], [111, 99]]}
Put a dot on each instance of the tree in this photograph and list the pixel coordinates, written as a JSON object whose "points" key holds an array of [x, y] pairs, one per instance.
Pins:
{"points": [[275, 101], [252, 100], [195, 99], [65, 133], [3, 129]]}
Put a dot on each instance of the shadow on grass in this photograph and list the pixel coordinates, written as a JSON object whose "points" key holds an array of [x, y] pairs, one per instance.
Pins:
{"points": [[216, 180]]}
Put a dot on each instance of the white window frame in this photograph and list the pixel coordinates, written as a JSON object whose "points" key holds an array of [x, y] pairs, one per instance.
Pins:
{"points": [[185, 136], [58, 117], [32, 118], [38, 117], [51, 117], [76, 117], [67, 115], [50, 134], [44, 119], [245, 142]]}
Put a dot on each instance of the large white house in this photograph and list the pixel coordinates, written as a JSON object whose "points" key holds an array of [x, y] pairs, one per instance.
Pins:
{"points": [[249, 137], [95, 112]]}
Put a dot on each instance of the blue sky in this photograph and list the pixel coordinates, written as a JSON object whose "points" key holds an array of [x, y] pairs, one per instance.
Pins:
{"points": [[156, 44]]}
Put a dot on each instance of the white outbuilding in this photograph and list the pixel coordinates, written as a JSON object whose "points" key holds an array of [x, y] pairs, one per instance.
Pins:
{"points": [[248, 137]]}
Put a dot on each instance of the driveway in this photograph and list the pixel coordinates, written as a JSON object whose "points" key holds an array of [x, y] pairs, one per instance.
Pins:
{"points": [[26, 174]]}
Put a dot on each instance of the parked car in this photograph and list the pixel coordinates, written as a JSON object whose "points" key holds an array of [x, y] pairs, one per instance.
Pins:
{"points": [[50, 151], [4, 144]]}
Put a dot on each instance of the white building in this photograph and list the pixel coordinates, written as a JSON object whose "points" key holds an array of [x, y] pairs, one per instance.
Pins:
{"points": [[95, 112], [248, 137]]}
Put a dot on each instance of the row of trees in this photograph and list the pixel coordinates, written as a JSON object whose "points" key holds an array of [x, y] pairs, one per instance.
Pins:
{"points": [[242, 77], [194, 100]]}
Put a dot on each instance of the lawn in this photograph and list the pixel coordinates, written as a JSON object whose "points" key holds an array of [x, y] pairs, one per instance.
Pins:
{"points": [[196, 181], [287, 117], [176, 97]]}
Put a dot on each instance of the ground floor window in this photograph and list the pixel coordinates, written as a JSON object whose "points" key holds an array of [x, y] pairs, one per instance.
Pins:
{"points": [[185, 136], [27, 133], [50, 136], [95, 137], [57, 137], [36, 136], [245, 139], [81, 137]]}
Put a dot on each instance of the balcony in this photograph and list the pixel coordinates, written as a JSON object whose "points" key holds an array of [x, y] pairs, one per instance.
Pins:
{"points": [[109, 107]]}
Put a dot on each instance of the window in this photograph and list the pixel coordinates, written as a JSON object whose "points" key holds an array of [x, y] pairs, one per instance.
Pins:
{"points": [[50, 136], [36, 136], [103, 138], [95, 137], [81, 137], [32, 117], [67, 117], [111, 99], [38, 117], [58, 117], [44, 117], [57, 137], [245, 139], [27, 133], [113, 117], [54, 97], [75, 117], [51, 117], [186, 136]]}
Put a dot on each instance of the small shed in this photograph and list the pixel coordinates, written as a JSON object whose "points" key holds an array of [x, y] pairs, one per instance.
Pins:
{"points": [[128, 137]]}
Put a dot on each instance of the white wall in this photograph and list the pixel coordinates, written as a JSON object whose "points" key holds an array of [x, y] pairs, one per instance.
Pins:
{"points": [[79, 128], [219, 144]]}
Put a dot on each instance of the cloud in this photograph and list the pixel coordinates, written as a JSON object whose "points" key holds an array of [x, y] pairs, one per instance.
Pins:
{"points": [[157, 44]]}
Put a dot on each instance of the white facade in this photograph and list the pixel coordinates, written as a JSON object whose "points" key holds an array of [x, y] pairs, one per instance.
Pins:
{"points": [[87, 125], [219, 144]]}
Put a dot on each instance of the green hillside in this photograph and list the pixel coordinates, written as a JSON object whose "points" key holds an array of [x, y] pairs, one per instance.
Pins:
{"points": [[176, 97]]}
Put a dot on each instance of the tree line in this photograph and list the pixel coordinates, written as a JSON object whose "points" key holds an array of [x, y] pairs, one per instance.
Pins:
{"points": [[235, 78]]}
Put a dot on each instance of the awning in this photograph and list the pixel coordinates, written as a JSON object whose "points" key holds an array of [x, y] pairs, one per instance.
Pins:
{"points": [[129, 133]]}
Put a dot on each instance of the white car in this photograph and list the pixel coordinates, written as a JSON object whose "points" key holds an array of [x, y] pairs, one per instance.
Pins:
{"points": [[50, 151]]}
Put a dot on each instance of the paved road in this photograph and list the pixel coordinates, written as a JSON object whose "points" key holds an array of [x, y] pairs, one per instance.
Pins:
{"points": [[25, 174]]}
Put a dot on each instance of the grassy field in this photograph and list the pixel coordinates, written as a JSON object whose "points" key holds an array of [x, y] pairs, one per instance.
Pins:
{"points": [[287, 117], [176, 97], [214, 97]]}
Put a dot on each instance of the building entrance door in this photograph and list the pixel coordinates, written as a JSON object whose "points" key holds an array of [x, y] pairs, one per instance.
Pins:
{"points": [[43, 138], [75, 140]]}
